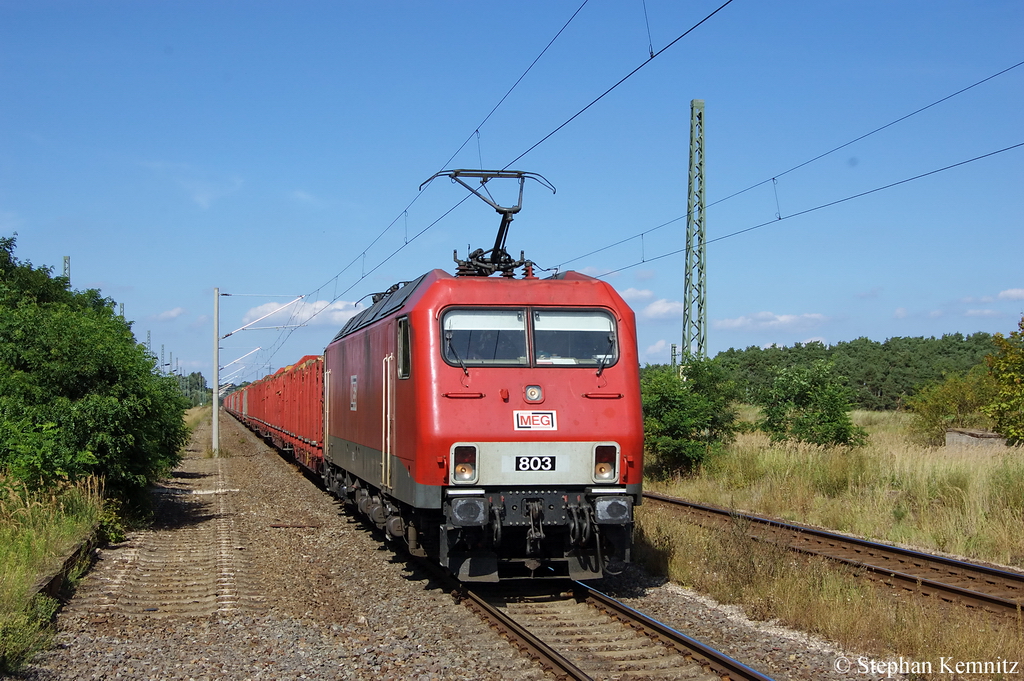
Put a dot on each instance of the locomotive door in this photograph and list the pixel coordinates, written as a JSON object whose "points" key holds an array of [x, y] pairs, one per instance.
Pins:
{"points": [[387, 421], [325, 437]]}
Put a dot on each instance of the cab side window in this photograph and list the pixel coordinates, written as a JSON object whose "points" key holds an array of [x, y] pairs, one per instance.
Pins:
{"points": [[404, 348]]}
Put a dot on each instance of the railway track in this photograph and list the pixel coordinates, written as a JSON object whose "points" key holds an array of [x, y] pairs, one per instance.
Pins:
{"points": [[584, 634], [974, 585]]}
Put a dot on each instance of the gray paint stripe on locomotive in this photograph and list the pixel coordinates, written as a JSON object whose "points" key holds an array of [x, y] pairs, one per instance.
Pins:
{"points": [[364, 462]]}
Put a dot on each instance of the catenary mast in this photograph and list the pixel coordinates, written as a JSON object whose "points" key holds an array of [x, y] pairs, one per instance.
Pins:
{"points": [[695, 313]]}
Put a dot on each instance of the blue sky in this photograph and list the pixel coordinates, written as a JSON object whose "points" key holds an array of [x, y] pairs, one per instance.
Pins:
{"points": [[266, 148]]}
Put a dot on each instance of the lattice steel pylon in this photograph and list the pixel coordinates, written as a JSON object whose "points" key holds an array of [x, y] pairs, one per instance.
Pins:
{"points": [[695, 311]]}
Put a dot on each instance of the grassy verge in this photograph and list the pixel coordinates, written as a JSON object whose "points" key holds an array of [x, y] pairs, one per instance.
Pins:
{"points": [[37, 530], [196, 415], [967, 501], [819, 596]]}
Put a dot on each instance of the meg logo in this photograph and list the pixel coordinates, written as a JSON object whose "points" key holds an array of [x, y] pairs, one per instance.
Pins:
{"points": [[535, 420]]}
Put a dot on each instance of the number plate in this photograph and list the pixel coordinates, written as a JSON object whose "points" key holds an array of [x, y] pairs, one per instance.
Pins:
{"points": [[535, 463]]}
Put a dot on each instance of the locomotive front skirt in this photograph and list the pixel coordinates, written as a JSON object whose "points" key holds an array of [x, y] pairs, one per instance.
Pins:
{"points": [[491, 423]]}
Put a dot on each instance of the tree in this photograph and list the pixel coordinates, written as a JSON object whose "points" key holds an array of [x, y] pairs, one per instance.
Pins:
{"points": [[78, 395], [880, 375], [955, 402], [685, 419], [810, 404], [1007, 368]]}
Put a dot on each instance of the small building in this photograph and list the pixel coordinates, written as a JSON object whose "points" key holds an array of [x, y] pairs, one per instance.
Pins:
{"points": [[974, 438]]}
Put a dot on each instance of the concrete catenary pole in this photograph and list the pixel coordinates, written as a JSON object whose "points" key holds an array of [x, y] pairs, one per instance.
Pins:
{"points": [[216, 372]]}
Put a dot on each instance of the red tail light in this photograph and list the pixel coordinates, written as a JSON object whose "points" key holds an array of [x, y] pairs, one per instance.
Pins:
{"points": [[605, 457]]}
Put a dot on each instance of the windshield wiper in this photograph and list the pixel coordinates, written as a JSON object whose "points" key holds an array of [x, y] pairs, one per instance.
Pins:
{"points": [[604, 358], [451, 347]]}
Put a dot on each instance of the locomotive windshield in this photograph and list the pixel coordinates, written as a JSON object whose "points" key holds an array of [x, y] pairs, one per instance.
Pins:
{"points": [[557, 338], [481, 337], [573, 337]]}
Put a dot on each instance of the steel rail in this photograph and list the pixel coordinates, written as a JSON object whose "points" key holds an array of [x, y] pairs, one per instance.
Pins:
{"points": [[869, 551], [515, 633], [720, 663], [547, 656]]}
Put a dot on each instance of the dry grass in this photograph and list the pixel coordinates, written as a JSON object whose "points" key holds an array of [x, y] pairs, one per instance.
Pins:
{"points": [[196, 415], [967, 501], [37, 530], [819, 596]]}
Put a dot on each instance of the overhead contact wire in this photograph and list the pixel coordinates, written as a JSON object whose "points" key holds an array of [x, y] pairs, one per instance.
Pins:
{"points": [[799, 165], [476, 132], [824, 205], [620, 82]]}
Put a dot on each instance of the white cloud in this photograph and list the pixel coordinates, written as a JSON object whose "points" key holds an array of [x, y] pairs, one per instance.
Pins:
{"points": [[900, 313], [1012, 294], [636, 295], [935, 314], [663, 309], [597, 272], [771, 321], [168, 315], [318, 313], [645, 275], [982, 313], [658, 348]]}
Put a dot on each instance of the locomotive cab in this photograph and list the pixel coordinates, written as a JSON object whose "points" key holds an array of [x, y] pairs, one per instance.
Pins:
{"points": [[492, 423], [546, 499]]}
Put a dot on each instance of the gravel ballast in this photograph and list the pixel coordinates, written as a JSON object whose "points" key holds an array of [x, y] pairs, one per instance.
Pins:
{"points": [[251, 572]]}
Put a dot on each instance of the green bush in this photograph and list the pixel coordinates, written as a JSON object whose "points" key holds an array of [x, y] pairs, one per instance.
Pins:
{"points": [[810, 404], [956, 402], [685, 419], [1006, 365], [78, 395]]}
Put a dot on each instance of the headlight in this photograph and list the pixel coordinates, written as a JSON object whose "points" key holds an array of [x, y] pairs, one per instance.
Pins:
{"points": [[464, 464], [605, 457], [533, 393]]}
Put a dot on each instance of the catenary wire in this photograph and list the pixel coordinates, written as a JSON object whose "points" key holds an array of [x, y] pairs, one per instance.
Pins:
{"points": [[288, 332], [796, 167], [405, 211], [821, 206], [620, 82]]}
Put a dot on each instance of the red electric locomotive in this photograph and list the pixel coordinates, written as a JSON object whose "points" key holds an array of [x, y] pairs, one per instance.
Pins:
{"points": [[492, 423]]}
